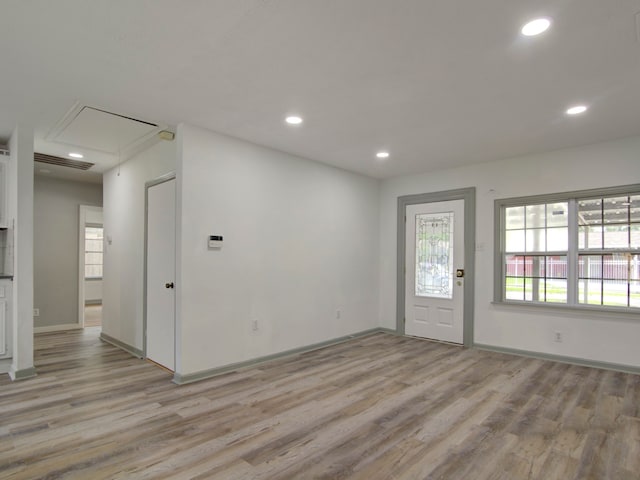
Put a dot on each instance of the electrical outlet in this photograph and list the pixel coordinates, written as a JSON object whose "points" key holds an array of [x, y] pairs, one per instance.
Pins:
{"points": [[254, 324], [557, 337], [36, 312], [338, 314]]}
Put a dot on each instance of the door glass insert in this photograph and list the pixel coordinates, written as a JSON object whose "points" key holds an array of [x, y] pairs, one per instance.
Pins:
{"points": [[434, 255]]}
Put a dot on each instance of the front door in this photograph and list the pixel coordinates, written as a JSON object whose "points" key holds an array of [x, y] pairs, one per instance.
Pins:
{"points": [[434, 270], [161, 249]]}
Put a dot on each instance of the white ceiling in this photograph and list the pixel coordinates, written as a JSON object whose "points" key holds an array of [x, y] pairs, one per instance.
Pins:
{"points": [[438, 83]]}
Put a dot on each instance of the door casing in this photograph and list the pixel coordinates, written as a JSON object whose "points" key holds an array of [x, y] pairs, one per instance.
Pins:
{"points": [[469, 197]]}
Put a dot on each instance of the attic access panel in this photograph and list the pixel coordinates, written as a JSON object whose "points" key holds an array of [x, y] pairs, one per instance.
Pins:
{"points": [[104, 131]]}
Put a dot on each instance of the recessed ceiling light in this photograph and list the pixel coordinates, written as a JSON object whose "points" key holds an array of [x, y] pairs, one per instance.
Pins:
{"points": [[293, 120], [578, 109], [382, 154], [76, 155], [535, 27]]}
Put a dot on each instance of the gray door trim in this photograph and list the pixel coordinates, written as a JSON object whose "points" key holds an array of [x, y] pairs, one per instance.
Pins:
{"points": [[151, 183], [469, 197]]}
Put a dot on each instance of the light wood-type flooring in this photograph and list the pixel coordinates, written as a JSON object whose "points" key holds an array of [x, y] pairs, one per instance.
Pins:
{"points": [[376, 407], [92, 315]]}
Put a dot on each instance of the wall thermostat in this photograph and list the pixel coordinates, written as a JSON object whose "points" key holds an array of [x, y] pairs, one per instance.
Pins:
{"points": [[215, 241]]}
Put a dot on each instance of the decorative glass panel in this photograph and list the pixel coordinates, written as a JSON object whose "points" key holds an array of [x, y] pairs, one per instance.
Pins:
{"points": [[434, 255]]}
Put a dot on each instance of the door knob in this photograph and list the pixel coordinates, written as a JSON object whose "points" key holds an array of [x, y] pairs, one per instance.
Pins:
{"points": [[168, 285]]}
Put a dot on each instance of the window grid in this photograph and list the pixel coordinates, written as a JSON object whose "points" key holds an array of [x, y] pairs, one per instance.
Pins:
{"points": [[541, 277], [536, 236], [601, 259], [93, 252], [607, 268]]}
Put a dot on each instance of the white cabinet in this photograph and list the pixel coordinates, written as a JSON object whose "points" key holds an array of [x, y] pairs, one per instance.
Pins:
{"points": [[5, 318]]}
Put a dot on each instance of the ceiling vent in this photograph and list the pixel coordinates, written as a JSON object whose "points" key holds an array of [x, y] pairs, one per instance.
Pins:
{"points": [[62, 162]]}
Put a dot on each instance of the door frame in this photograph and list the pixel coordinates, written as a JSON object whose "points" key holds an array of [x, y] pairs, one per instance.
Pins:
{"points": [[469, 197], [151, 183]]}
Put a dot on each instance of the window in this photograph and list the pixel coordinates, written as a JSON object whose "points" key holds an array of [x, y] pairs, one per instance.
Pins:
{"points": [[581, 248], [93, 245]]}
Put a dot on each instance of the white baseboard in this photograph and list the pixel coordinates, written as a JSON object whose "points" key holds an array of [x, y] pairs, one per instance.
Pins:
{"points": [[57, 328]]}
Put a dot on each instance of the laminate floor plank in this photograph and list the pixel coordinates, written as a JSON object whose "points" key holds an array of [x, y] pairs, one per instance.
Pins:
{"points": [[374, 407]]}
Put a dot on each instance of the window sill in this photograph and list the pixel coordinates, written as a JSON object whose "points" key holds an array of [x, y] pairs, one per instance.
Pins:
{"points": [[595, 310], [93, 279]]}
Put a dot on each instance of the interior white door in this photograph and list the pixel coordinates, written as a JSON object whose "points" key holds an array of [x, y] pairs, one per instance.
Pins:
{"points": [[434, 278], [161, 246]]}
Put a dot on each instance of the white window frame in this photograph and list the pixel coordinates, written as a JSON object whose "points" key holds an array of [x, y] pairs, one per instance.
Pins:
{"points": [[572, 198]]}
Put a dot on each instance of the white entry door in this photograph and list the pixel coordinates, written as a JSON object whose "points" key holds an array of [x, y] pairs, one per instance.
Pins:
{"points": [[434, 279], [161, 246]]}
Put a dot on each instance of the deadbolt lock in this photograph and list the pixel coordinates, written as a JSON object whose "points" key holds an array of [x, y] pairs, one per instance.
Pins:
{"points": [[460, 273]]}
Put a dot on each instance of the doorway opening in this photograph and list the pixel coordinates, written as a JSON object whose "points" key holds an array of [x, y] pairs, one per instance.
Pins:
{"points": [[90, 260]]}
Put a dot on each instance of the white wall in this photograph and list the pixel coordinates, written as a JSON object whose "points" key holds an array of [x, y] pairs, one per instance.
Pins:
{"points": [[300, 242], [20, 208], [123, 209], [56, 210], [594, 336]]}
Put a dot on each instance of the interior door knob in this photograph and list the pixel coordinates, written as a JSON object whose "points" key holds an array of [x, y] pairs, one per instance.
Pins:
{"points": [[168, 285]]}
